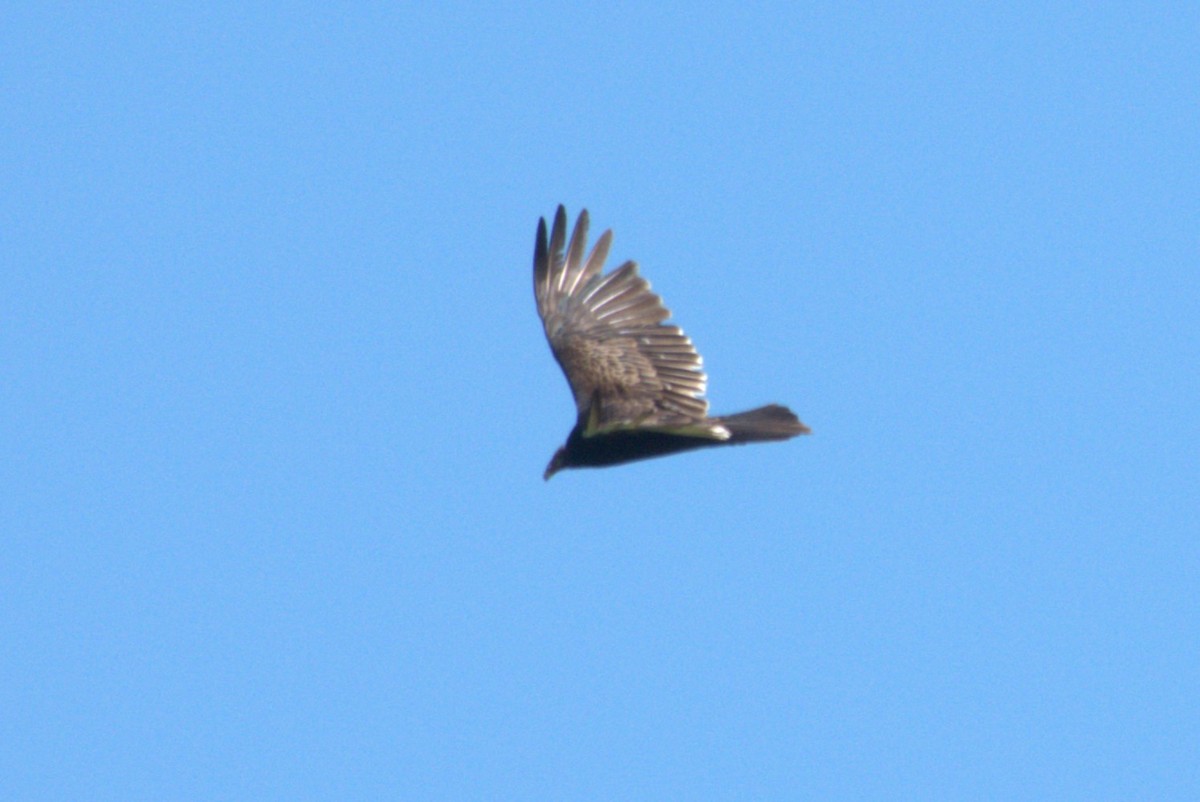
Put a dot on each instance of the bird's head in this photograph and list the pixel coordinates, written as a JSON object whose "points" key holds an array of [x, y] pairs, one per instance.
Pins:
{"points": [[557, 463]]}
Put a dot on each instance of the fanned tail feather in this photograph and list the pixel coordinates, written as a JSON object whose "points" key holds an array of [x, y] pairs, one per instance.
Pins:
{"points": [[772, 422]]}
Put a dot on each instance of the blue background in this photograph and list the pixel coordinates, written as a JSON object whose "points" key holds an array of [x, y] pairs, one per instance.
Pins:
{"points": [[276, 403]]}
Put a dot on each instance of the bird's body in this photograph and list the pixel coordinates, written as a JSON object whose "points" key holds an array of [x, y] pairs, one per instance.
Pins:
{"points": [[638, 384]]}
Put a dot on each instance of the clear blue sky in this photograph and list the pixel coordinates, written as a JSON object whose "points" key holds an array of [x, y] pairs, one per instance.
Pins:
{"points": [[276, 403]]}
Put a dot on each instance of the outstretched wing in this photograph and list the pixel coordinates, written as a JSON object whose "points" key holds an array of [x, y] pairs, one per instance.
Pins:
{"points": [[625, 368]]}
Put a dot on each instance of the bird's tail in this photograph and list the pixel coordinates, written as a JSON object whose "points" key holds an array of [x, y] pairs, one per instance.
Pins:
{"points": [[772, 422]]}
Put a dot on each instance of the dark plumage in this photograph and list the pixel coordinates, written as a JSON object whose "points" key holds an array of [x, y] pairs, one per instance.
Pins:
{"points": [[638, 384]]}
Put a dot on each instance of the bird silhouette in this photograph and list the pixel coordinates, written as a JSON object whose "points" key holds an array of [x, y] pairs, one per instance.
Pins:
{"points": [[638, 383]]}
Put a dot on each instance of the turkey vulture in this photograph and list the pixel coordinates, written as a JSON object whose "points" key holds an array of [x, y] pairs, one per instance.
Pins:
{"points": [[638, 384]]}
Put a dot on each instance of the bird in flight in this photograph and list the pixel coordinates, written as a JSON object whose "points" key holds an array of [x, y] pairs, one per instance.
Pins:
{"points": [[638, 383]]}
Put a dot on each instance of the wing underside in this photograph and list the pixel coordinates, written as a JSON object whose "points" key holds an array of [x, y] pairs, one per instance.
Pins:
{"points": [[625, 367]]}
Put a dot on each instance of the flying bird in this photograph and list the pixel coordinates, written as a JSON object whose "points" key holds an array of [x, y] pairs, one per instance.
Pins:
{"points": [[638, 383]]}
